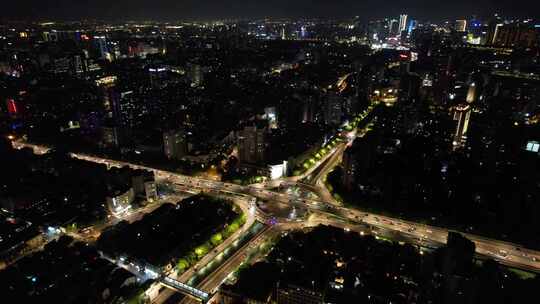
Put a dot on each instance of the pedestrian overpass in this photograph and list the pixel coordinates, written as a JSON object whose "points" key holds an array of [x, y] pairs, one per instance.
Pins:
{"points": [[146, 271], [185, 289]]}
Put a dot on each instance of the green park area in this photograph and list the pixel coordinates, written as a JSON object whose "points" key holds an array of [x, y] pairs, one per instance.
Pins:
{"points": [[213, 241], [175, 234]]}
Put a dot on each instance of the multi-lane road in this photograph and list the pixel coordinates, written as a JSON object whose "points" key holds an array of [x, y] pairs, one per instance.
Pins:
{"points": [[329, 213], [251, 216], [506, 253], [218, 276]]}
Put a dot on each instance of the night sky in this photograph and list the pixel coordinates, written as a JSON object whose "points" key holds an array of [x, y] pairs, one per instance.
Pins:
{"points": [[209, 9]]}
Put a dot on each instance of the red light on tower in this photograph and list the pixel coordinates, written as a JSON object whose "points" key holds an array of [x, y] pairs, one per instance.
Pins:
{"points": [[12, 106]]}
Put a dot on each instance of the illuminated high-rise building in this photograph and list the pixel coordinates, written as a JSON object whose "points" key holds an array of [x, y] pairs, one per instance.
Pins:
{"points": [[516, 34], [103, 48], [493, 25], [461, 25], [492, 33], [471, 93], [271, 115], [402, 23], [333, 109], [158, 76], [110, 136], [119, 200], [303, 32], [309, 110], [78, 64], [125, 110], [175, 144], [411, 27], [393, 27], [13, 109], [251, 144], [462, 114], [109, 95], [350, 165], [195, 74]]}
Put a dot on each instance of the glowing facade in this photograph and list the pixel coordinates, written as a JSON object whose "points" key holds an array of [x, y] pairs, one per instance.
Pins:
{"points": [[462, 114], [471, 93], [461, 25], [402, 23]]}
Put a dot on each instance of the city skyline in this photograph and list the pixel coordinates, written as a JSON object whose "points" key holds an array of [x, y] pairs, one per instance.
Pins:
{"points": [[377, 157], [168, 10]]}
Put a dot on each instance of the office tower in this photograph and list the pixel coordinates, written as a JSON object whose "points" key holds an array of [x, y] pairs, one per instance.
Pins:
{"points": [[110, 136], [251, 144], [303, 32], [78, 64], [125, 111], [195, 74], [411, 26], [119, 112], [158, 76], [309, 110], [409, 89], [144, 185], [175, 144], [378, 30], [357, 160], [271, 115], [462, 114], [393, 27], [461, 25], [516, 35], [471, 93], [402, 23], [108, 94], [493, 31], [119, 200], [103, 49], [150, 191], [350, 167], [333, 109], [350, 106]]}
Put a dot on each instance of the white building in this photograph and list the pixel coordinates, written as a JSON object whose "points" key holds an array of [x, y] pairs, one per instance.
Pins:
{"points": [[120, 202], [278, 170]]}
